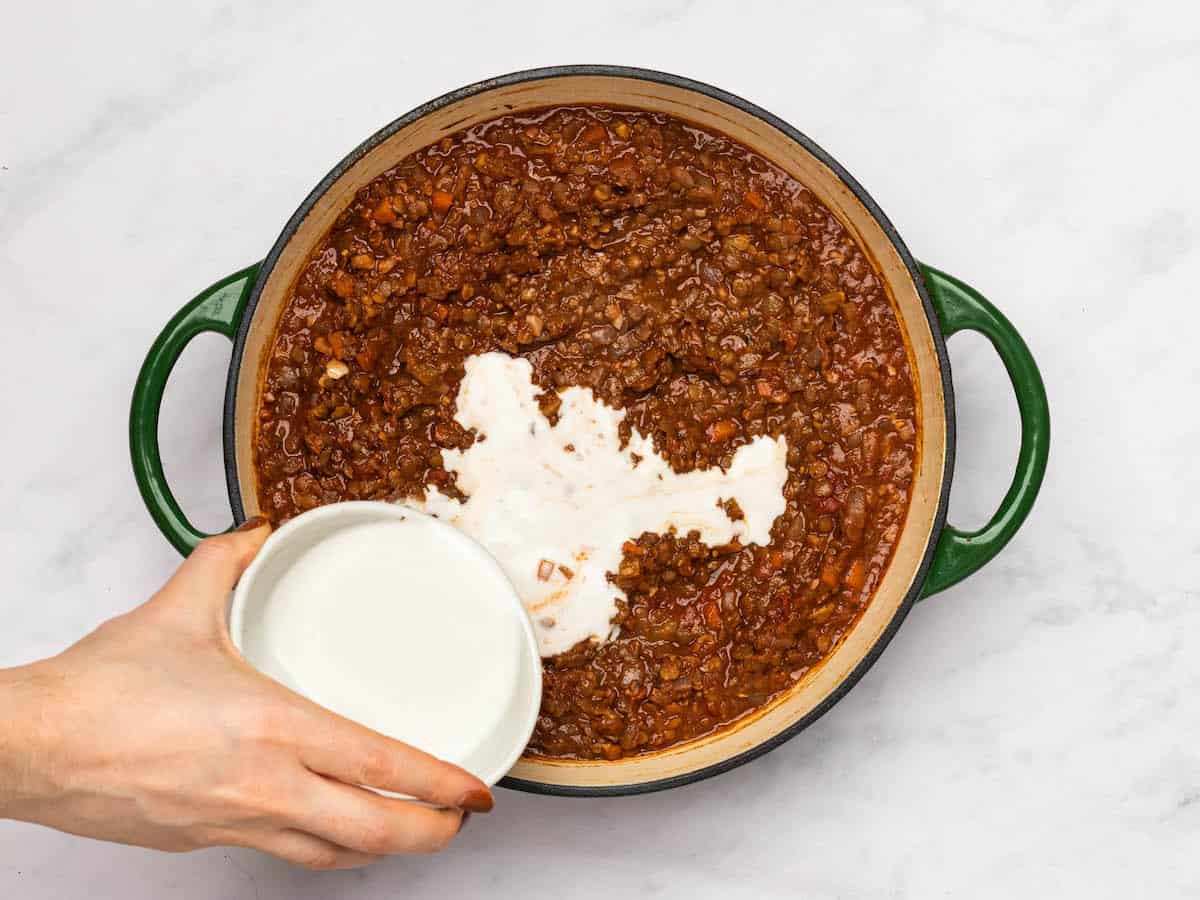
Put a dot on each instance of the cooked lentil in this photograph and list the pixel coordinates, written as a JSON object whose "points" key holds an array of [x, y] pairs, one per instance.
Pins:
{"points": [[681, 277]]}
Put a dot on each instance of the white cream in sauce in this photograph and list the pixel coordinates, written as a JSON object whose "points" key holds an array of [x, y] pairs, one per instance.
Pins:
{"points": [[555, 504]]}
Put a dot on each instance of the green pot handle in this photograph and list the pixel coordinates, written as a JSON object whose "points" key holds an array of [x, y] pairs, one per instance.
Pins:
{"points": [[217, 309], [960, 553]]}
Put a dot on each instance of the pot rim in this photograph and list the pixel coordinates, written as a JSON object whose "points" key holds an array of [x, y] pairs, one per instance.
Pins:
{"points": [[229, 436]]}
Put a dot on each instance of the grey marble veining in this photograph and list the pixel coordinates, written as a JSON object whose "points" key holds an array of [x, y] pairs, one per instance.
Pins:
{"points": [[1031, 732]]}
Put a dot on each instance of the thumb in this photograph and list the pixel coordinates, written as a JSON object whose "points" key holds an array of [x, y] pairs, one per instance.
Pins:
{"points": [[207, 576]]}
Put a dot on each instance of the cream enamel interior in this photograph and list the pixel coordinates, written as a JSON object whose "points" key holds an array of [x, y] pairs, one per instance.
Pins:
{"points": [[783, 151]]}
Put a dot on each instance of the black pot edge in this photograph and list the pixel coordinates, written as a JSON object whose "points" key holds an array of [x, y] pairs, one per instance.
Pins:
{"points": [[229, 436]]}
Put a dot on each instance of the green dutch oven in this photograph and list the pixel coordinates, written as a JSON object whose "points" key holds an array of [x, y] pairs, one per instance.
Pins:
{"points": [[930, 554]]}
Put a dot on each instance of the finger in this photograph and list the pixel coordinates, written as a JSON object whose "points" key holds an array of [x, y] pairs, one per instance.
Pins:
{"points": [[213, 568], [307, 850], [339, 748], [362, 820]]}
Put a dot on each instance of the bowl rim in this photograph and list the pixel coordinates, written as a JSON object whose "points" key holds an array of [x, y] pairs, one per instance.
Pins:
{"points": [[229, 435]]}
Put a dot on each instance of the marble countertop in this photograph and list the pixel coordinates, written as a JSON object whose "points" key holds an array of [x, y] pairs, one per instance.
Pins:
{"points": [[1031, 732]]}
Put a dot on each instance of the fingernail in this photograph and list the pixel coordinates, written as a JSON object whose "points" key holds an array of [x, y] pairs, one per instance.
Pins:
{"points": [[476, 800], [252, 523], [462, 823]]}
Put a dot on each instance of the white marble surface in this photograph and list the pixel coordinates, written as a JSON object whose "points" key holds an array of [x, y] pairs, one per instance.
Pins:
{"points": [[1032, 732]]}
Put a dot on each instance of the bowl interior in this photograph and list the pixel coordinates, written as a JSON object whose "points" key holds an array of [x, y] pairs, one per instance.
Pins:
{"points": [[770, 138]]}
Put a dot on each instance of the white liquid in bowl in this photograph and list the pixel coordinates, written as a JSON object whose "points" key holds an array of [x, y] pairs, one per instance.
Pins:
{"points": [[396, 625]]}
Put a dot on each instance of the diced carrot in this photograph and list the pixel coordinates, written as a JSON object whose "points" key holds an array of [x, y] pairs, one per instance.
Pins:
{"points": [[593, 134], [384, 214], [856, 575], [831, 573], [442, 201]]}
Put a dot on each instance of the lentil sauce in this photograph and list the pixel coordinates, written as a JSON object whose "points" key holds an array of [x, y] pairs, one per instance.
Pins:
{"points": [[682, 278]]}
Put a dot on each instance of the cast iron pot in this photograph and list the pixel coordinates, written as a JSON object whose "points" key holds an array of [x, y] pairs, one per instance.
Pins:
{"points": [[930, 555]]}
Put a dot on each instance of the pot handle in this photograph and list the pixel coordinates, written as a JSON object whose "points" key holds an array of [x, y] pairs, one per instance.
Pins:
{"points": [[217, 309], [960, 553]]}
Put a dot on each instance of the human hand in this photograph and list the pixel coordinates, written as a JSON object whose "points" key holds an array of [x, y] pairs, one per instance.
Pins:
{"points": [[153, 730]]}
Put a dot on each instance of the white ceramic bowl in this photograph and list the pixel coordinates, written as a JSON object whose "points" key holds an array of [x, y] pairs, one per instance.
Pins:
{"points": [[496, 750]]}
